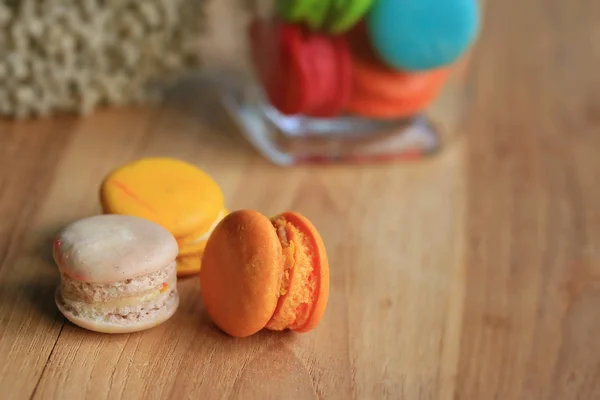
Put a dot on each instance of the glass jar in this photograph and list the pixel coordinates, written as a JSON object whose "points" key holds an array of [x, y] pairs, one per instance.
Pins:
{"points": [[324, 81]]}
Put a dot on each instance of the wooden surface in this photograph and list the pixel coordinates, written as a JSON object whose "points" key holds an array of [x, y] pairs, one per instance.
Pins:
{"points": [[475, 275]]}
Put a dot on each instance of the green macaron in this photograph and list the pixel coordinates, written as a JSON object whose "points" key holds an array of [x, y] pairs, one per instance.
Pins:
{"points": [[344, 14], [311, 12], [332, 16]]}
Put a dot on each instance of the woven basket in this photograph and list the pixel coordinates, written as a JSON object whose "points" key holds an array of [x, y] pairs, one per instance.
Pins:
{"points": [[60, 56]]}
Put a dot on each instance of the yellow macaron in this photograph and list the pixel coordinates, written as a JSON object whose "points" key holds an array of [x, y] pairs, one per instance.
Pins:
{"points": [[172, 193]]}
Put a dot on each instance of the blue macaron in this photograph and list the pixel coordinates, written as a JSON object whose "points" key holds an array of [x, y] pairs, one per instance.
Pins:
{"points": [[417, 35]]}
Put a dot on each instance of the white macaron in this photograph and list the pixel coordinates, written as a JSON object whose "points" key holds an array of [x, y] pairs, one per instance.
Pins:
{"points": [[118, 273]]}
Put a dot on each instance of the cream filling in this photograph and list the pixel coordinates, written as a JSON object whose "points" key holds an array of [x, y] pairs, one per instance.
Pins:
{"points": [[125, 301], [206, 235], [121, 302], [100, 313], [89, 292]]}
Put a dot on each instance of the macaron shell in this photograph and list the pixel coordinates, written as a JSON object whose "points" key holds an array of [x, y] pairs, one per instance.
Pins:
{"points": [[396, 84], [192, 248], [371, 107], [346, 13], [241, 273], [290, 10], [344, 75], [177, 195], [111, 248], [339, 76], [298, 77], [316, 15], [408, 95], [420, 35], [379, 91], [106, 327], [270, 62], [195, 243], [312, 12], [369, 74], [320, 262], [325, 63], [275, 47], [319, 61]]}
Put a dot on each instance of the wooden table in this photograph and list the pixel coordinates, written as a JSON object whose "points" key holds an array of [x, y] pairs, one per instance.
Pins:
{"points": [[475, 275]]}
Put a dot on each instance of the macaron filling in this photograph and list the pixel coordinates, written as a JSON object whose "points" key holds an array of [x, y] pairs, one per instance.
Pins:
{"points": [[299, 282], [197, 241], [145, 297], [119, 301], [120, 312], [91, 292]]}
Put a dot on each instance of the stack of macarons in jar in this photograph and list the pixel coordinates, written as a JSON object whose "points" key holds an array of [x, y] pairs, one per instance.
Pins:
{"points": [[165, 219], [368, 58]]}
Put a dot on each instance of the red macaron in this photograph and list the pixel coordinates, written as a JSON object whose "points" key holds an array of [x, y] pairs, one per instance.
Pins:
{"points": [[273, 47], [302, 72]]}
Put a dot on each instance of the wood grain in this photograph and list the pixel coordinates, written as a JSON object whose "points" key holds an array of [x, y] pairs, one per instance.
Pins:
{"points": [[474, 275], [530, 324]]}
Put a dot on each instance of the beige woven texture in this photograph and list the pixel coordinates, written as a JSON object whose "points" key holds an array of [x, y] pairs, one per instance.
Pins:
{"points": [[61, 56]]}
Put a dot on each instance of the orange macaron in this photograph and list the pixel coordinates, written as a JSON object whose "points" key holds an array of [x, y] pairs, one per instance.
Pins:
{"points": [[379, 91], [264, 273]]}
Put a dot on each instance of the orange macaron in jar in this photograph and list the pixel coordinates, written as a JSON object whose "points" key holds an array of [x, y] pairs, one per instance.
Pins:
{"points": [[379, 91], [177, 195], [261, 272]]}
